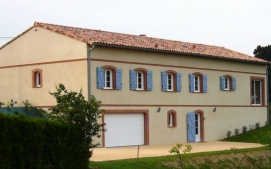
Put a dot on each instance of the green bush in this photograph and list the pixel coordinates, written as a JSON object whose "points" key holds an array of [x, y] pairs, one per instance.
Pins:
{"points": [[27, 143]]}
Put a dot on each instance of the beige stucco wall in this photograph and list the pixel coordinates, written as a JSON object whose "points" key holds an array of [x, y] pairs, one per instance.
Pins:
{"points": [[37, 48], [216, 124], [41, 46], [214, 96], [233, 107]]}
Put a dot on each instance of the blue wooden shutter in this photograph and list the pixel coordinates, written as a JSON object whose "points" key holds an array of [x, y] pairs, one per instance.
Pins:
{"points": [[222, 83], [164, 81], [179, 82], [118, 79], [204, 83], [233, 83], [132, 80], [191, 129], [100, 77], [191, 83], [149, 80]]}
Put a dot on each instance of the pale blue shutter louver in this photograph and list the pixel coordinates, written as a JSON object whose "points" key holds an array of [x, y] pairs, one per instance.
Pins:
{"points": [[191, 129], [164, 81], [204, 83], [132, 80], [149, 80], [191, 83], [222, 83], [179, 82], [100, 77], [233, 83], [118, 79]]}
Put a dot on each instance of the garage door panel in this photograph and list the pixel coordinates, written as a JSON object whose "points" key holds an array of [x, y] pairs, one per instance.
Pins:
{"points": [[124, 129]]}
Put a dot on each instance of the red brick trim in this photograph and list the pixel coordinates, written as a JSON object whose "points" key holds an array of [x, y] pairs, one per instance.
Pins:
{"points": [[201, 113], [146, 122], [174, 120], [155, 105], [263, 89], [175, 105], [37, 70]]}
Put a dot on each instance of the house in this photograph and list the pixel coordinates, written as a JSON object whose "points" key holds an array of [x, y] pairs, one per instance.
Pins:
{"points": [[154, 91]]}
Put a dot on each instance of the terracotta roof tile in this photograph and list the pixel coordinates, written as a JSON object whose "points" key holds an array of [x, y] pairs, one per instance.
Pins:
{"points": [[92, 37]]}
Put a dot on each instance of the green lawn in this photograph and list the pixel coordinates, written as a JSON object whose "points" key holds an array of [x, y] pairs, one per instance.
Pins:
{"points": [[208, 158], [252, 136]]}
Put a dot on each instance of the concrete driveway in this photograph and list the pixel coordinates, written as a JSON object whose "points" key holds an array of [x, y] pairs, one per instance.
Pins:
{"points": [[117, 153]]}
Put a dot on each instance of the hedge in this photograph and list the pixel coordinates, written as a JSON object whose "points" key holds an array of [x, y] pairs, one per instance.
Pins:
{"points": [[29, 143]]}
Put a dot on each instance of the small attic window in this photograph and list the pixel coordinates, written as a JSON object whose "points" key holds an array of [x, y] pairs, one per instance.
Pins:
{"points": [[37, 78]]}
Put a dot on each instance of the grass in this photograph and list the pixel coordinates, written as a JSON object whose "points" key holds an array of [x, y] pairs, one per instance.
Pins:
{"points": [[246, 158], [251, 136]]}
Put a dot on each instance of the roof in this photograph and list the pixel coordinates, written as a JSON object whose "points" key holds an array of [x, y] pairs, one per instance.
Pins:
{"points": [[104, 38]]}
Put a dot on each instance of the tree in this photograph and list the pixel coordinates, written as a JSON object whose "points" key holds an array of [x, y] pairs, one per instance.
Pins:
{"points": [[264, 52], [72, 107]]}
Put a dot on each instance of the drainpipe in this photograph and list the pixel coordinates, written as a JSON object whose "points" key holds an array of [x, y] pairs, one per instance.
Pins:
{"points": [[88, 73], [267, 80]]}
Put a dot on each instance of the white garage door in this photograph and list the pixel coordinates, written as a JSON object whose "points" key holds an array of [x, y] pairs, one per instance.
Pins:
{"points": [[124, 129]]}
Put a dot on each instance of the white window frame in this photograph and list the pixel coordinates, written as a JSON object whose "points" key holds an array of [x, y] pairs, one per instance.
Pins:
{"points": [[253, 95], [37, 79], [139, 78], [110, 79], [227, 83], [170, 80], [197, 83]]}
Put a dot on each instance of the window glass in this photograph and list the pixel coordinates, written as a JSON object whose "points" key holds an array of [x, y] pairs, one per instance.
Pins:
{"points": [[139, 80], [170, 82], [256, 92], [197, 82], [37, 78], [227, 85], [107, 79]]}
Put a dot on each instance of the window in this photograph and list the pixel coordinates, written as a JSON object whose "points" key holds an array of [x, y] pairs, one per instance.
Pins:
{"points": [[109, 77], [171, 117], [227, 83], [197, 83], [257, 91], [36, 78], [171, 81], [140, 79]]}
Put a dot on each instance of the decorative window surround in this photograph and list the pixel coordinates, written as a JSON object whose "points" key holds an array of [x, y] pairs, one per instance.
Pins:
{"points": [[37, 80], [171, 119], [257, 86]]}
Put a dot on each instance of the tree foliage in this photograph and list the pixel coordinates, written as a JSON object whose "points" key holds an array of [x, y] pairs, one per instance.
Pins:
{"points": [[73, 108], [264, 52]]}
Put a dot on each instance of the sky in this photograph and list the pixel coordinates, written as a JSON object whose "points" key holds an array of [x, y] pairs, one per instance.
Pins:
{"points": [[239, 25]]}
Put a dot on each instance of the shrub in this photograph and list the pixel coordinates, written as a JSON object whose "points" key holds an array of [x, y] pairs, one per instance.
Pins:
{"points": [[176, 150], [257, 125], [251, 126], [244, 129], [228, 134], [37, 143], [236, 131]]}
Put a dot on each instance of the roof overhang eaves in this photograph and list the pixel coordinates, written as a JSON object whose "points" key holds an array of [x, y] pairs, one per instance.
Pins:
{"points": [[175, 52]]}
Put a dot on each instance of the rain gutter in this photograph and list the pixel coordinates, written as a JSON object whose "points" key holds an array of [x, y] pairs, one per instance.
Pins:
{"points": [[89, 70]]}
